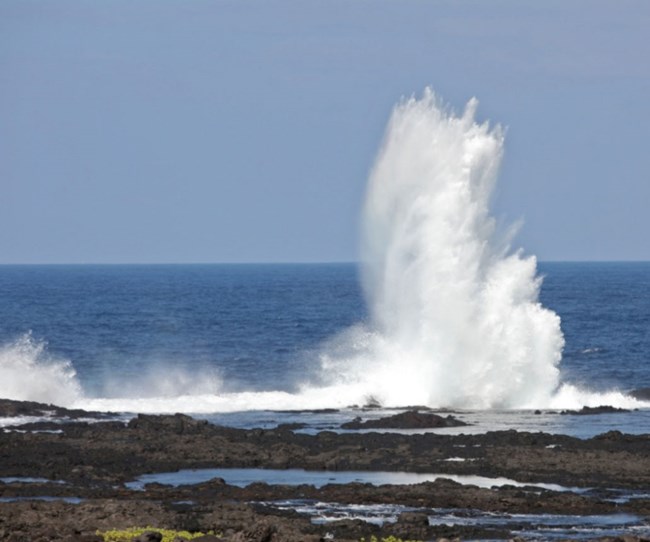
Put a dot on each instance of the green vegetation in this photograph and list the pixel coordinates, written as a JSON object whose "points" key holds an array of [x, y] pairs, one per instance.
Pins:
{"points": [[126, 535]]}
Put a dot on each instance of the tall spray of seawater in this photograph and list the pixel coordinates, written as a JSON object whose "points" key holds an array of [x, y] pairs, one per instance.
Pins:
{"points": [[454, 313]]}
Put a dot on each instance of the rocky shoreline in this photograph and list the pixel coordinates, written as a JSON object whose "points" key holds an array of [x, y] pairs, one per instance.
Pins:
{"points": [[72, 473]]}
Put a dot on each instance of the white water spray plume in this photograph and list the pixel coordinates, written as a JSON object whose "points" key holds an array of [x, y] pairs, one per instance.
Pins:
{"points": [[29, 373], [455, 318]]}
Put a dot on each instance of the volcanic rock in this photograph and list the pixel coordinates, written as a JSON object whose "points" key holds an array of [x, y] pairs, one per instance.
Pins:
{"points": [[642, 394], [149, 536], [178, 423], [417, 518], [89, 463], [603, 409], [411, 419], [10, 408]]}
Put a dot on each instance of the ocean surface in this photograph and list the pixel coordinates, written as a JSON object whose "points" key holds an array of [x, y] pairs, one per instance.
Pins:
{"points": [[237, 343]]}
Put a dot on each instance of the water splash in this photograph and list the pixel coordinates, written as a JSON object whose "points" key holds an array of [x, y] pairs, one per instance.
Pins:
{"points": [[162, 381], [455, 318], [29, 373]]}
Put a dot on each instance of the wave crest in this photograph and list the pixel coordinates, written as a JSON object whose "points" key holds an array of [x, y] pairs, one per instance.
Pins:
{"points": [[28, 372]]}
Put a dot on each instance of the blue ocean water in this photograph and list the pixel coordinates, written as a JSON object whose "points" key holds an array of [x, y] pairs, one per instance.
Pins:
{"points": [[605, 312], [255, 323], [118, 330]]}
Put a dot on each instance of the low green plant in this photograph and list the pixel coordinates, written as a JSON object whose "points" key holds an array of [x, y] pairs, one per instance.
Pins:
{"points": [[126, 535]]}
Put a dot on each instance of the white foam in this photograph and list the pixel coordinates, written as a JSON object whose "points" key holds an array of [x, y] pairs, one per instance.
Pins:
{"points": [[29, 373], [572, 397], [309, 399], [162, 381], [455, 316]]}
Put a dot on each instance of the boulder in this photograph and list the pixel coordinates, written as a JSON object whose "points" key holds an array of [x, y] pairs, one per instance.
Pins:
{"points": [[586, 411], [261, 531], [148, 536], [414, 518], [411, 419]]}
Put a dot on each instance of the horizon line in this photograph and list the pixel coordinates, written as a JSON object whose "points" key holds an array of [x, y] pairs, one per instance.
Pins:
{"points": [[287, 262]]}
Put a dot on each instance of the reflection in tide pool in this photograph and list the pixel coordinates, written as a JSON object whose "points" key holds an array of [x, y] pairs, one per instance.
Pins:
{"points": [[244, 477]]}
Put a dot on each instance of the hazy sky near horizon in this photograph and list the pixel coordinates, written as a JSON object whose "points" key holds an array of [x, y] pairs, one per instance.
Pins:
{"points": [[243, 131]]}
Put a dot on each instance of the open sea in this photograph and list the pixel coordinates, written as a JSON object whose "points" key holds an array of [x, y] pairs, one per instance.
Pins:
{"points": [[238, 343]]}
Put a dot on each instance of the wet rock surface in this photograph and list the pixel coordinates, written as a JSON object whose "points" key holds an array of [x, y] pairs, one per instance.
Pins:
{"points": [[90, 463], [587, 411], [411, 419]]}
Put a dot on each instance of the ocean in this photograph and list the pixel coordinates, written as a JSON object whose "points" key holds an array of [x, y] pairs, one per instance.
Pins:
{"points": [[249, 344], [444, 312]]}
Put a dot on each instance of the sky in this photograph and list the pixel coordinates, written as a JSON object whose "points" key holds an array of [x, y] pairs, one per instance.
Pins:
{"points": [[172, 131]]}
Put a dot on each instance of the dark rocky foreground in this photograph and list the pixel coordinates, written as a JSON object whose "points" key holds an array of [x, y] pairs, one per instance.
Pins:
{"points": [[96, 458]]}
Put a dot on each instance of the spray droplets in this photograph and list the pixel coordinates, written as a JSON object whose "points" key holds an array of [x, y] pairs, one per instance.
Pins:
{"points": [[455, 317], [29, 373]]}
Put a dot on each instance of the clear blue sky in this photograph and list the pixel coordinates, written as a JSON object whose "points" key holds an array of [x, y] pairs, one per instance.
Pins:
{"points": [[240, 131]]}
